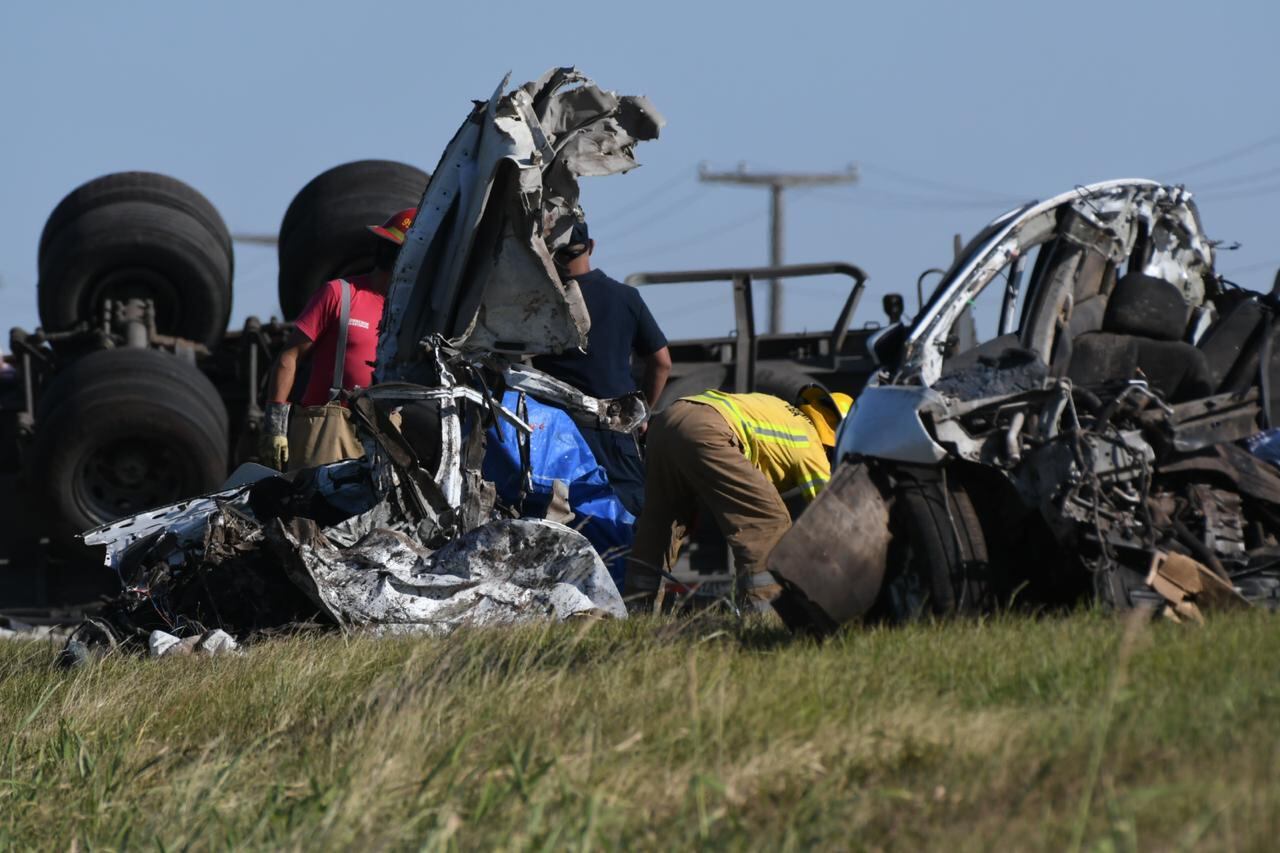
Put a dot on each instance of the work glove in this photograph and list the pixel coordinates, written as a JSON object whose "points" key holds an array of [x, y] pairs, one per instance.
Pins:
{"points": [[273, 444]]}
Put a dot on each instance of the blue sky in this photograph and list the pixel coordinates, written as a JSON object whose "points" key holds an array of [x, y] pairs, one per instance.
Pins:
{"points": [[951, 111]]}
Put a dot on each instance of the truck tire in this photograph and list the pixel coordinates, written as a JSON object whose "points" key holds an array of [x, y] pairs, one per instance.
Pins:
{"points": [[695, 382], [782, 381], [137, 234], [135, 186], [120, 431], [778, 380], [938, 565], [323, 234]]}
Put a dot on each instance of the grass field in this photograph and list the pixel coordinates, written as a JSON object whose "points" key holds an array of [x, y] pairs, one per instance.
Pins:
{"points": [[1056, 733]]}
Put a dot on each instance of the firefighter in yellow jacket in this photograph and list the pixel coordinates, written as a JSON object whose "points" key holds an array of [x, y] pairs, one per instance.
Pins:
{"points": [[737, 453]]}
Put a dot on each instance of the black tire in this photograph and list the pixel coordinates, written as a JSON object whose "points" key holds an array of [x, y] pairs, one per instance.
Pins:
{"points": [[699, 380], [324, 236], [939, 564], [778, 380], [135, 186], [782, 381], [120, 431], [137, 234]]}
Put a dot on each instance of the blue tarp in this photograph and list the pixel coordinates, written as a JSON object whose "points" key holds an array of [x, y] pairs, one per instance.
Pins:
{"points": [[558, 452], [1265, 445]]}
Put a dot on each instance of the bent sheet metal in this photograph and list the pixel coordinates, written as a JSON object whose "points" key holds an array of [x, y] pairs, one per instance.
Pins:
{"points": [[476, 267]]}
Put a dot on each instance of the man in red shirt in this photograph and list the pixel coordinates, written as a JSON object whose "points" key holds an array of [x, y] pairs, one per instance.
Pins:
{"points": [[338, 331]]}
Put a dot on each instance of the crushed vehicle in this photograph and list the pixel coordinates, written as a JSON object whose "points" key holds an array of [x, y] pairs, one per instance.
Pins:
{"points": [[1094, 445], [412, 537]]}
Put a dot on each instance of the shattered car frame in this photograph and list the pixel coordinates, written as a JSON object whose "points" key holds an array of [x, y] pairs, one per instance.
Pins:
{"points": [[1087, 448], [411, 538]]}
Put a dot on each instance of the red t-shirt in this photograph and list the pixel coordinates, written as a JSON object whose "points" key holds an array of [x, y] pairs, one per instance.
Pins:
{"points": [[319, 322]]}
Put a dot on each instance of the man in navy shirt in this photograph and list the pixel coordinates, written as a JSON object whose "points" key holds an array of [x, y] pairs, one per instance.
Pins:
{"points": [[620, 325]]}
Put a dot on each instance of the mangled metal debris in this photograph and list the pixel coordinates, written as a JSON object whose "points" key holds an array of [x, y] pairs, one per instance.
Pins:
{"points": [[503, 572], [1188, 585], [412, 538], [377, 543], [17, 629], [209, 644], [1087, 448], [476, 267]]}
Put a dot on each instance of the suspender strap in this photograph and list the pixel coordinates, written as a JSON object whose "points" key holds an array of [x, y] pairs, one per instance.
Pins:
{"points": [[340, 349]]}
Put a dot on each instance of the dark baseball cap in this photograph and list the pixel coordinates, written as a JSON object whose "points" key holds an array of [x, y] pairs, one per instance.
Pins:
{"points": [[579, 240]]}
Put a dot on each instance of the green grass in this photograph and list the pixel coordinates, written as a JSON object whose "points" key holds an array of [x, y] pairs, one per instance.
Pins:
{"points": [[1012, 734]]}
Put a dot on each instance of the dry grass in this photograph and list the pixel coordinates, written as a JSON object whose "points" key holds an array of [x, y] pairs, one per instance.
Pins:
{"points": [[1015, 733]]}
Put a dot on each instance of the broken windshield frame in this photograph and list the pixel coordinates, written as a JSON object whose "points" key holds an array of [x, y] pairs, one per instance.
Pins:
{"points": [[1008, 237]]}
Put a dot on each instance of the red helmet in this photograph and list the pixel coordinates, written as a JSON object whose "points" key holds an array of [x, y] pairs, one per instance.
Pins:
{"points": [[394, 228]]}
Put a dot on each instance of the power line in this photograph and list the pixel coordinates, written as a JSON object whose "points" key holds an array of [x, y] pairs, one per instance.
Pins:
{"points": [[255, 239], [693, 238], [1226, 156], [1261, 265], [1226, 183], [722, 298], [930, 183], [647, 199], [664, 215], [908, 201], [778, 183], [1252, 192]]}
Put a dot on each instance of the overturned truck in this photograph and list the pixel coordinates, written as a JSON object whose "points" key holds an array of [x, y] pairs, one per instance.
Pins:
{"points": [[413, 537], [1095, 444], [134, 392]]}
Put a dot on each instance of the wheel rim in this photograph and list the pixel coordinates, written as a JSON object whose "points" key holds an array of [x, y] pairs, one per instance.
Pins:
{"points": [[906, 592], [127, 475], [138, 283]]}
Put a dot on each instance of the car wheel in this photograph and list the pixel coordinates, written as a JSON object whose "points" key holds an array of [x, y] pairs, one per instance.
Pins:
{"points": [[939, 564]]}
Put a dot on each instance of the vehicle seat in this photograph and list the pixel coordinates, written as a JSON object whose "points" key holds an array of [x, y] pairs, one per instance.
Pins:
{"points": [[1232, 342], [1095, 280], [1144, 320], [1085, 317]]}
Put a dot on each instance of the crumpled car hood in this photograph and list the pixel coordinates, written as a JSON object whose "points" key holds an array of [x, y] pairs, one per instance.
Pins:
{"points": [[476, 266]]}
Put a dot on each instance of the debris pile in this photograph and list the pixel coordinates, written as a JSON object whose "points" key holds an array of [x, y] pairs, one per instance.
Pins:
{"points": [[373, 543], [412, 538]]}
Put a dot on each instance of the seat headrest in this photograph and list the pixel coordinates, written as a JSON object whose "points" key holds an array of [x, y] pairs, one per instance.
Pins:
{"points": [[1147, 307]]}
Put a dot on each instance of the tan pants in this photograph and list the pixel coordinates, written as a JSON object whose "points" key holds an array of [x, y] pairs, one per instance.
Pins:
{"points": [[319, 435], [692, 453]]}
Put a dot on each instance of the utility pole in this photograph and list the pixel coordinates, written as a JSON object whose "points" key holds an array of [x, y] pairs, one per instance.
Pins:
{"points": [[777, 182]]}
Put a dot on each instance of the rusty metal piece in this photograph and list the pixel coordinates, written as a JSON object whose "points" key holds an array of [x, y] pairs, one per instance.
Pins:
{"points": [[831, 563]]}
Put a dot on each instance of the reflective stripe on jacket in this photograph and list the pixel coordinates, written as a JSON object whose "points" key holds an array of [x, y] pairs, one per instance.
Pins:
{"points": [[775, 437]]}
